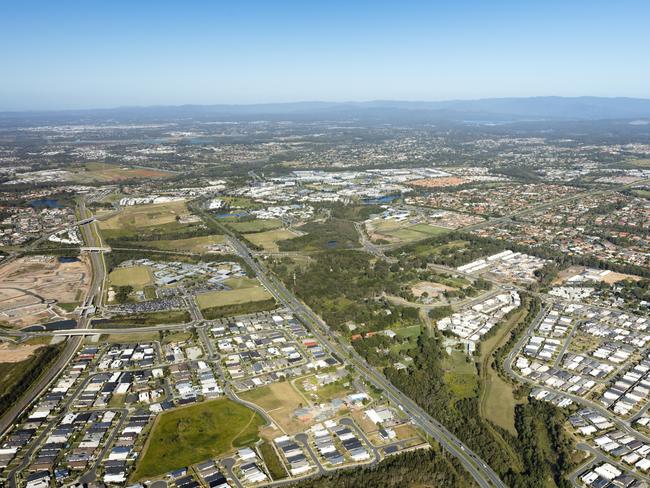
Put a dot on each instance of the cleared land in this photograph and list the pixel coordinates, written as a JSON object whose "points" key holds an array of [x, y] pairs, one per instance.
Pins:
{"points": [[279, 400], [232, 297], [610, 278], [145, 319], [106, 173], [258, 225], [325, 393], [461, 375], [142, 216], [192, 244], [431, 288], [31, 286], [498, 401], [639, 163], [394, 231], [439, 182], [136, 276], [269, 240], [130, 338], [14, 353], [188, 435]]}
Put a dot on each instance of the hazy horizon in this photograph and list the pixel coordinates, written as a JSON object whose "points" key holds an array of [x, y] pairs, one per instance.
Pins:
{"points": [[83, 55]]}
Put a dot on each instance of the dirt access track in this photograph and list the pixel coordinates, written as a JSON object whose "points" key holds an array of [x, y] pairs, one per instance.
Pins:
{"points": [[31, 287]]}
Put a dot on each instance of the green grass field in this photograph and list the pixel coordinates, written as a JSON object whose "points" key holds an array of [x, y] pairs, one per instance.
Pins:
{"points": [[415, 232], [191, 244], [638, 192], [272, 461], [241, 203], [146, 319], [461, 375], [232, 297], [269, 240], [130, 337], [410, 331], [241, 282], [279, 400], [15, 378], [332, 234], [142, 216], [187, 435], [105, 173], [257, 225], [498, 401], [639, 163], [136, 276]]}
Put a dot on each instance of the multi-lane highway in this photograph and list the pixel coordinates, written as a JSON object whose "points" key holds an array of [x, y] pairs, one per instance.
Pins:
{"points": [[94, 296], [478, 468]]}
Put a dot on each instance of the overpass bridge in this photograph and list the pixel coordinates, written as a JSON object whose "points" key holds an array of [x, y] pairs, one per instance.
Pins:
{"points": [[95, 249]]}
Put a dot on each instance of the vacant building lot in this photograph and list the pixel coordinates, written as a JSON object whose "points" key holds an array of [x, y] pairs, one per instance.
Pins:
{"points": [[402, 232], [107, 173], [197, 245], [249, 292], [187, 435], [136, 276], [30, 288], [257, 225], [279, 400], [14, 353], [269, 240], [439, 182], [142, 216]]}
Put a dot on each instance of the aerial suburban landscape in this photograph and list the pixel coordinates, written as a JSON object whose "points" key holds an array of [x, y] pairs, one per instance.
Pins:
{"points": [[225, 302], [239, 248]]}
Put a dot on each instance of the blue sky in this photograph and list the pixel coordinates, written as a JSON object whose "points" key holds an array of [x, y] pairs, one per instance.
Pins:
{"points": [[64, 54]]}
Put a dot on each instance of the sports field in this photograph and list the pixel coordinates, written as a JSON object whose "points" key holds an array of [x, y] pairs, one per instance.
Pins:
{"points": [[136, 276], [187, 435], [269, 240], [232, 297]]}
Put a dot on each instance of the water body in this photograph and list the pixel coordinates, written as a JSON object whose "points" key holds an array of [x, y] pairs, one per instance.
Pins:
{"points": [[331, 244], [64, 259], [227, 215], [380, 200], [58, 325], [45, 203]]}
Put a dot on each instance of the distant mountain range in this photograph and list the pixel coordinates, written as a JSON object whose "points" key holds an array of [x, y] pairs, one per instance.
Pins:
{"points": [[484, 110]]}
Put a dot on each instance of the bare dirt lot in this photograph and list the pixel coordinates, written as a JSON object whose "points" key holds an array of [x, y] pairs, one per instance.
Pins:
{"points": [[31, 287], [14, 353], [429, 287], [439, 182]]}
